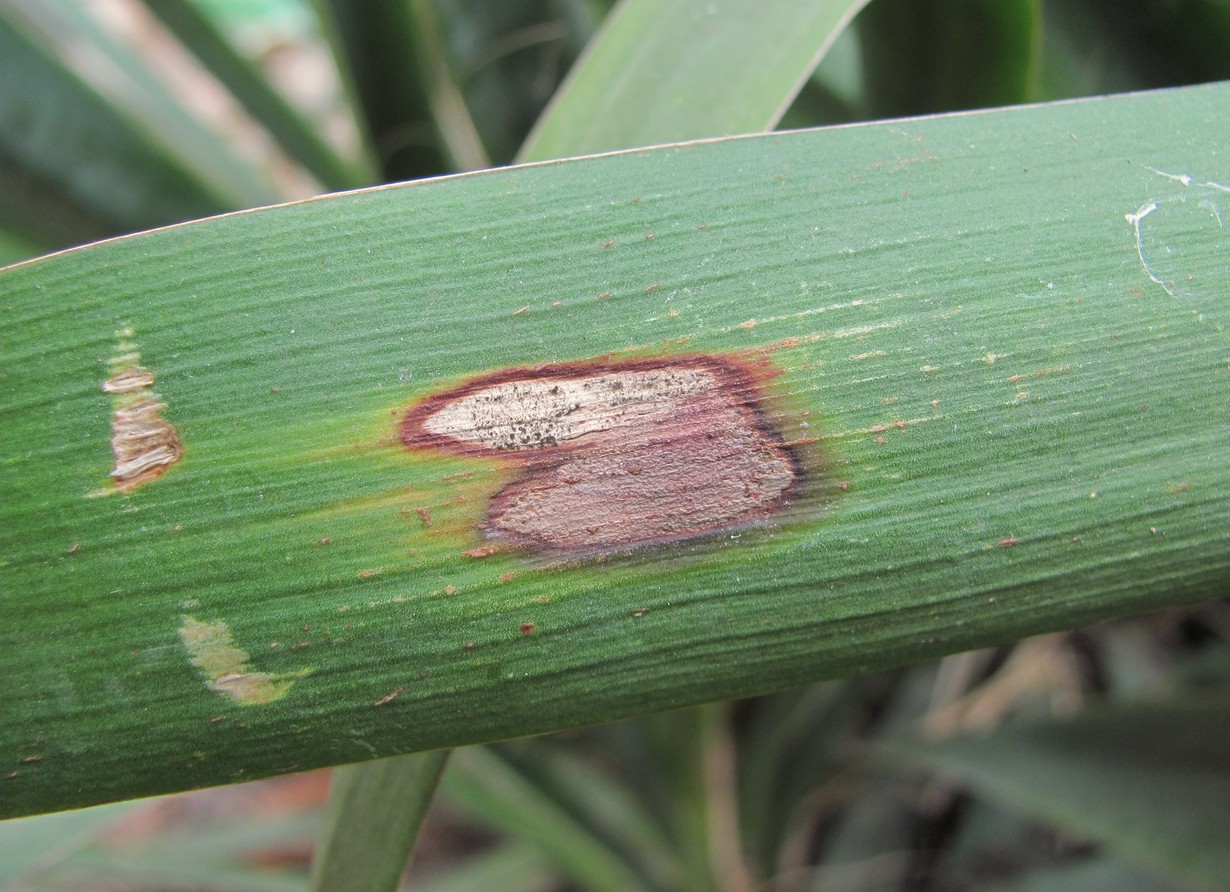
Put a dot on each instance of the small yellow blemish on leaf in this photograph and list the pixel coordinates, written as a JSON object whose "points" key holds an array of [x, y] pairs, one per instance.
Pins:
{"points": [[748, 325], [226, 668]]}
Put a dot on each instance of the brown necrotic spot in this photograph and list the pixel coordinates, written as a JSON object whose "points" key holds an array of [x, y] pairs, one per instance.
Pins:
{"points": [[143, 442], [618, 454]]}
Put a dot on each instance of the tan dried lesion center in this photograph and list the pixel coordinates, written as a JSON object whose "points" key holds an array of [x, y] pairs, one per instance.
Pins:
{"points": [[620, 456], [144, 443], [535, 413]]}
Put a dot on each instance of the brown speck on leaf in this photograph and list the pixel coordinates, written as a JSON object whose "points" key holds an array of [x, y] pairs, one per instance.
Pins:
{"points": [[178, 528], [1009, 542], [543, 599], [637, 614], [450, 590], [389, 698], [12, 775], [520, 310], [275, 390], [881, 440], [844, 485], [506, 578], [611, 243], [484, 551], [366, 574], [603, 295], [1175, 488], [650, 289], [702, 226], [649, 236], [424, 516], [469, 645], [527, 628], [324, 540], [30, 759], [74, 548], [748, 325], [1015, 378]]}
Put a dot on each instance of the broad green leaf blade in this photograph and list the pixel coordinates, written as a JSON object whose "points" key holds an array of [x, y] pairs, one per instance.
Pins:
{"points": [[108, 175], [1151, 782], [375, 810], [1007, 332], [671, 70], [297, 137]]}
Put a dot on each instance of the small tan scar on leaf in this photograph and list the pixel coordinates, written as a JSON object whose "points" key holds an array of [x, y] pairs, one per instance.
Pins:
{"points": [[614, 455], [144, 443]]}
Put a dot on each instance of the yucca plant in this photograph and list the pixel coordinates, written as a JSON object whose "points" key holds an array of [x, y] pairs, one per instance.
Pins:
{"points": [[472, 458]]}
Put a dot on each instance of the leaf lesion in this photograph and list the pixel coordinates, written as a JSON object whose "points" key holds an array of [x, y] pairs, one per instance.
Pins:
{"points": [[144, 443]]}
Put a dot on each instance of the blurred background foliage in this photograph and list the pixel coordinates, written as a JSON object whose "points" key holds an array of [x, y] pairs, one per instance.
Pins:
{"points": [[1089, 760]]}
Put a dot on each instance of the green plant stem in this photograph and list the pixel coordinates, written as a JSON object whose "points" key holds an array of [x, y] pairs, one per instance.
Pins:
{"points": [[374, 812]]}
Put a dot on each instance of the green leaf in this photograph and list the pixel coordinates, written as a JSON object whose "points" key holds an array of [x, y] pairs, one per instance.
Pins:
{"points": [[949, 55], [42, 841], [1005, 331], [1151, 782], [297, 137], [393, 58], [493, 792], [60, 142], [129, 79], [375, 810], [686, 69], [513, 867]]}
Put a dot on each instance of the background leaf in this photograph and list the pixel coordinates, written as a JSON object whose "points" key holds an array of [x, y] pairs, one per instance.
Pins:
{"points": [[1151, 782], [648, 78]]}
